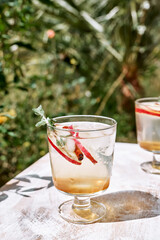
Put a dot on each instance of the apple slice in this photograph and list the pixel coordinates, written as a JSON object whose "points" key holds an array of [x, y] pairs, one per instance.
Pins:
{"points": [[80, 146], [148, 111], [63, 154], [154, 108]]}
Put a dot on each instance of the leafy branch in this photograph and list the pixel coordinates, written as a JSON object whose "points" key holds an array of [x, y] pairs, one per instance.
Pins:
{"points": [[115, 84]]}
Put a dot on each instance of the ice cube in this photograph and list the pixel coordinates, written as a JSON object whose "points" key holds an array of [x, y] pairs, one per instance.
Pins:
{"points": [[70, 144]]}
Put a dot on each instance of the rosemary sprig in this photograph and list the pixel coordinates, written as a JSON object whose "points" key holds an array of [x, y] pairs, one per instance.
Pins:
{"points": [[40, 112], [49, 122]]}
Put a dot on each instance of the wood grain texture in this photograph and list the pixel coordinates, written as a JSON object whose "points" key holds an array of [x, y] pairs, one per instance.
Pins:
{"points": [[29, 203]]}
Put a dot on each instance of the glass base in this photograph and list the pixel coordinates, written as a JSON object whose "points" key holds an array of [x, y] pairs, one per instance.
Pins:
{"points": [[82, 214], [150, 167]]}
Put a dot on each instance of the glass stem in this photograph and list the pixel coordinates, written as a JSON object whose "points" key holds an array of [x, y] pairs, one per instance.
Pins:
{"points": [[156, 161], [81, 203]]}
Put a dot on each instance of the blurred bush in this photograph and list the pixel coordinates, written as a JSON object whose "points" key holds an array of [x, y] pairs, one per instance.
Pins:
{"points": [[73, 57]]}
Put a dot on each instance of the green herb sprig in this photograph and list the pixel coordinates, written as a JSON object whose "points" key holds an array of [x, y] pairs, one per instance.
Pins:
{"points": [[44, 121]]}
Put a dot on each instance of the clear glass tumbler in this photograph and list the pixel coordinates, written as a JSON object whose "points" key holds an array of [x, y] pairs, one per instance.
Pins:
{"points": [[81, 152], [148, 130]]}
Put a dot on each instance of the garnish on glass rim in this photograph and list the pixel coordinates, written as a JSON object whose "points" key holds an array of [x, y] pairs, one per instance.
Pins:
{"points": [[60, 148], [81, 147], [40, 112], [62, 154], [148, 111]]}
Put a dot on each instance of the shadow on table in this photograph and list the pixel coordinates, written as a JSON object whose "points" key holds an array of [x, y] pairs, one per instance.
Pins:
{"points": [[121, 206], [18, 186], [129, 205]]}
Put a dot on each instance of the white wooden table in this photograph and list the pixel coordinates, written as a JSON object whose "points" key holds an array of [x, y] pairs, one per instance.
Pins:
{"points": [[29, 203]]}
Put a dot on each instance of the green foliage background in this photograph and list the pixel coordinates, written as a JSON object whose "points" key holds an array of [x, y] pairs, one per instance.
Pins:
{"points": [[73, 57]]}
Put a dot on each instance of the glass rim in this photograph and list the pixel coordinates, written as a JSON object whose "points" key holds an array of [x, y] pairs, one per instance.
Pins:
{"points": [[147, 99], [114, 123]]}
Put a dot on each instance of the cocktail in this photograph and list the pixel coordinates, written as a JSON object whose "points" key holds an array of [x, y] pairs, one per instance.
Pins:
{"points": [[148, 130], [81, 152]]}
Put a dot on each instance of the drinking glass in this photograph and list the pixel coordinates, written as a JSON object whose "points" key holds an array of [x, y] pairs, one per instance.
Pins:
{"points": [[81, 152], [148, 130]]}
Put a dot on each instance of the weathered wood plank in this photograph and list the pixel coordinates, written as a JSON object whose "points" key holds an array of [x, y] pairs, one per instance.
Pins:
{"points": [[29, 202]]}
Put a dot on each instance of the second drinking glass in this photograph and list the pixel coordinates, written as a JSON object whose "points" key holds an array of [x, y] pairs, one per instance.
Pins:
{"points": [[148, 130]]}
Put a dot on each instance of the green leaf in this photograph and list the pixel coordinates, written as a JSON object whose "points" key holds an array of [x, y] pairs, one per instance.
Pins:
{"points": [[67, 7], [7, 115], [58, 143], [12, 134], [39, 111], [92, 22], [62, 142], [41, 123]]}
